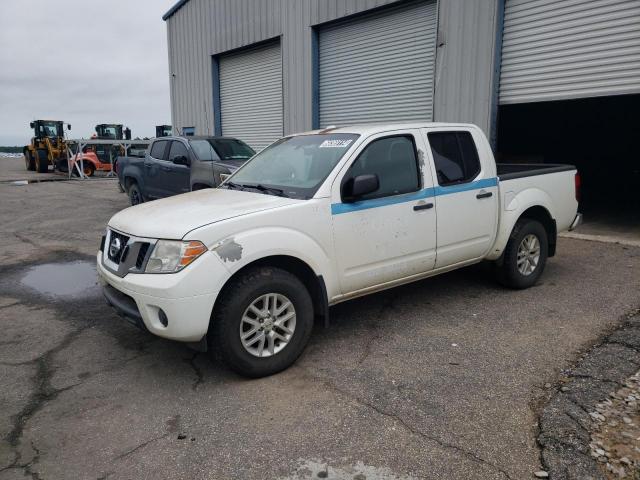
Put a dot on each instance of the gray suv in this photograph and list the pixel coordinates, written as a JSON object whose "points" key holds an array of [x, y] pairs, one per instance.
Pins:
{"points": [[173, 165]]}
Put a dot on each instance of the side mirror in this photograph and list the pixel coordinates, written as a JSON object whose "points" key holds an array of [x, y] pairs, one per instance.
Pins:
{"points": [[354, 188], [32, 125], [181, 160], [68, 126]]}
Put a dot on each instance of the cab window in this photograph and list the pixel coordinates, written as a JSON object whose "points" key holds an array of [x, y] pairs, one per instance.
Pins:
{"points": [[158, 149], [394, 161], [455, 156], [177, 149]]}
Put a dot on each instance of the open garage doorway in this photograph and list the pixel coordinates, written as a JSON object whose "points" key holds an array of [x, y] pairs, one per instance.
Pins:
{"points": [[601, 136]]}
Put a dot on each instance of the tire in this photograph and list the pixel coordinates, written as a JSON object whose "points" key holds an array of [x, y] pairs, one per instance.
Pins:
{"points": [[41, 161], [228, 322], [88, 168], [528, 244], [29, 161], [135, 195]]}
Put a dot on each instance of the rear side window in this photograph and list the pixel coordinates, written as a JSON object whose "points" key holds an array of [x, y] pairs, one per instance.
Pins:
{"points": [[158, 148], [393, 160], [455, 156]]}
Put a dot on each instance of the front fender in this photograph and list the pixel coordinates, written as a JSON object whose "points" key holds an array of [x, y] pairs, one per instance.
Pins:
{"points": [[513, 206], [243, 248]]}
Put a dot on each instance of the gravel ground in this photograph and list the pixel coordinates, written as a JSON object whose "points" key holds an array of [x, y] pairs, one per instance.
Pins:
{"points": [[441, 379], [615, 437]]}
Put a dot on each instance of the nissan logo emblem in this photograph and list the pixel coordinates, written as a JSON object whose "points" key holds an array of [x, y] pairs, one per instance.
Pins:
{"points": [[114, 247]]}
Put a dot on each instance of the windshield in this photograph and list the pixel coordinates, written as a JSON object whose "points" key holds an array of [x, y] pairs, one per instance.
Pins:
{"points": [[221, 149], [49, 129], [293, 166]]}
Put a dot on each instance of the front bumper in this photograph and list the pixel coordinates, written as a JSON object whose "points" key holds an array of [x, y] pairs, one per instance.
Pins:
{"points": [[186, 298], [576, 222]]}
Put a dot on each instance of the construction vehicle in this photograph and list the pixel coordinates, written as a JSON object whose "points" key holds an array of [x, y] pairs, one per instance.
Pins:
{"points": [[112, 131], [102, 156], [164, 130], [47, 147]]}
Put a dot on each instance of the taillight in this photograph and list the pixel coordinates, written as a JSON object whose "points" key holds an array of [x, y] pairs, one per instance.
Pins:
{"points": [[578, 186]]}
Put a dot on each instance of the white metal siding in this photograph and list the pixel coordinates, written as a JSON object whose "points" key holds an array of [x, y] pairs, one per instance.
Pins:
{"points": [[378, 68], [555, 50], [251, 95]]}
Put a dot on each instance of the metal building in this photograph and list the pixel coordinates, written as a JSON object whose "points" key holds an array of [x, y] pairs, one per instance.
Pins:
{"points": [[262, 68], [258, 69]]}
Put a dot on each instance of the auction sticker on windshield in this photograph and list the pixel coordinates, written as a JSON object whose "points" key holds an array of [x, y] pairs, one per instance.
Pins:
{"points": [[335, 143]]}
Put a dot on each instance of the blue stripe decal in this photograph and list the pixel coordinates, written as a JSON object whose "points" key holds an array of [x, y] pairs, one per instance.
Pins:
{"points": [[484, 183], [339, 208]]}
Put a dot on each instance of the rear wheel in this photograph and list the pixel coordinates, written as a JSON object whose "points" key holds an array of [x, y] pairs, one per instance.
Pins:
{"points": [[29, 161], [41, 161], [525, 256], [135, 195], [262, 322]]}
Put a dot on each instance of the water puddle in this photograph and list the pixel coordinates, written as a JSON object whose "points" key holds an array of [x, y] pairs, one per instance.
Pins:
{"points": [[68, 279]]}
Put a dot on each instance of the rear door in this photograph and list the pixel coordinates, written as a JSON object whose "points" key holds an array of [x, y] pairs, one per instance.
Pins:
{"points": [[153, 162], [176, 178], [466, 194]]}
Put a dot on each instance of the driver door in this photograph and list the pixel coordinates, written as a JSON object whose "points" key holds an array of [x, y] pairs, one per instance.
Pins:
{"points": [[389, 234], [153, 161], [176, 178]]}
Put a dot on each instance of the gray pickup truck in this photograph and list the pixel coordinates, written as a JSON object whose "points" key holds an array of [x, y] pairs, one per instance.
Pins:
{"points": [[173, 165]]}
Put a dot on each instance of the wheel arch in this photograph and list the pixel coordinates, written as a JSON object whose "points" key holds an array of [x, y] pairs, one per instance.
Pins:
{"points": [[542, 215], [314, 283]]}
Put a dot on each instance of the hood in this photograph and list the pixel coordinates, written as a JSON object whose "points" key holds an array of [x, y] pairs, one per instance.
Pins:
{"points": [[174, 217]]}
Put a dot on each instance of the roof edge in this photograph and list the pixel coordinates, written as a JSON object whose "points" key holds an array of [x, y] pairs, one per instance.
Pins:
{"points": [[174, 9]]}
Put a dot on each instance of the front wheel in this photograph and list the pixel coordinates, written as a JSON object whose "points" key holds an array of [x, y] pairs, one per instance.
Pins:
{"points": [[42, 161], [262, 322], [88, 168], [135, 195], [525, 256]]}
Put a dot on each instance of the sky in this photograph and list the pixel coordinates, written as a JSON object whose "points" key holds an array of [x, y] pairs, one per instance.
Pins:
{"points": [[84, 62]]}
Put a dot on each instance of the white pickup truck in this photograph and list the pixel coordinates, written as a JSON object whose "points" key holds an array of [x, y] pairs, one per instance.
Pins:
{"points": [[322, 217]]}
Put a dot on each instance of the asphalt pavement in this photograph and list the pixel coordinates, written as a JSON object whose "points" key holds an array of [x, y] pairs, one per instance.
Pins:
{"points": [[440, 379]]}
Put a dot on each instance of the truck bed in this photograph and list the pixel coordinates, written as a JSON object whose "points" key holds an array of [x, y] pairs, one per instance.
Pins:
{"points": [[510, 171]]}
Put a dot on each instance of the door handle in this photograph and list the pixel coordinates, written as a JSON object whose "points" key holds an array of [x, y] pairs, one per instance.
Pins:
{"points": [[423, 206], [484, 195]]}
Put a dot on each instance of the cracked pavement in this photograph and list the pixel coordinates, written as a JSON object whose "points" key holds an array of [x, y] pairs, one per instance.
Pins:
{"points": [[440, 379]]}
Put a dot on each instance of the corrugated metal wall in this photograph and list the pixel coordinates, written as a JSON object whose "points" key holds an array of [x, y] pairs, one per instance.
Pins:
{"points": [[379, 68], [202, 28], [571, 49], [466, 71], [251, 95]]}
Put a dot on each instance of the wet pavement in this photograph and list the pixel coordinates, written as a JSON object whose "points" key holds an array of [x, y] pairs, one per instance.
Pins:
{"points": [[441, 379], [68, 280]]}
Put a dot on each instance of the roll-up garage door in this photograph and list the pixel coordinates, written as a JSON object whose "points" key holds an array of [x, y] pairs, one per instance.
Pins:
{"points": [[378, 67], [554, 50], [251, 95]]}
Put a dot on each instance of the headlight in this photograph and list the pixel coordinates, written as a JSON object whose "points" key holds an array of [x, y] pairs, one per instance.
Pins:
{"points": [[170, 256]]}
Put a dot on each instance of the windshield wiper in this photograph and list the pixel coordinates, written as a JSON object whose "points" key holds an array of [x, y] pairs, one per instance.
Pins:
{"points": [[233, 186], [274, 191]]}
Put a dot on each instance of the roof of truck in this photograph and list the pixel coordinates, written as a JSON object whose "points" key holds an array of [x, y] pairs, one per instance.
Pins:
{"points": [[368, 129]]}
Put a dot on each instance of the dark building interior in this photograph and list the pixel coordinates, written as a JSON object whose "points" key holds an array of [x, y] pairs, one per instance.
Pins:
{"points": [[600, 135]]}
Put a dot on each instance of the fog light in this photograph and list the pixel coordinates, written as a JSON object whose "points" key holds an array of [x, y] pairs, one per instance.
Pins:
{"points": [[163, 317]]}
